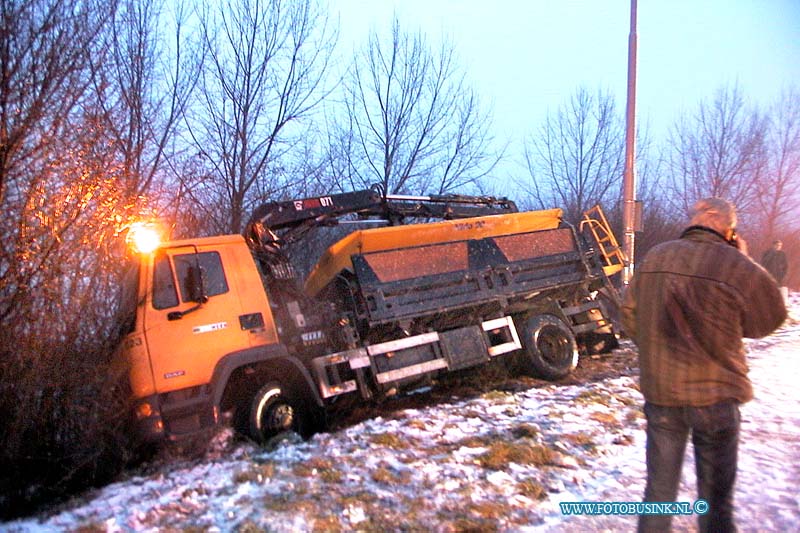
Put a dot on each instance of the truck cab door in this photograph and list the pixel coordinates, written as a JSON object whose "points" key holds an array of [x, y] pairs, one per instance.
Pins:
{"points": [[192, 317]]}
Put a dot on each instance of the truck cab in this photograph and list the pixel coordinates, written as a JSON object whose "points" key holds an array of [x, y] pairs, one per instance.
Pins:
{"points": [[201, 313]]}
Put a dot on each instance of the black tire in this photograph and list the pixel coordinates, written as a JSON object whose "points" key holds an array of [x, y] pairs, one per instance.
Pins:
{"points": [[549, 348], [272, 413]]}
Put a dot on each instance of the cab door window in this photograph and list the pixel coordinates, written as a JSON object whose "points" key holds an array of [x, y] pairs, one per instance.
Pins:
{"points": [[196, 272], [211, 276]]}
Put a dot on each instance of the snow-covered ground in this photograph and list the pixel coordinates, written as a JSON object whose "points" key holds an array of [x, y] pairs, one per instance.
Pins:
{"points": [[498, 462]]}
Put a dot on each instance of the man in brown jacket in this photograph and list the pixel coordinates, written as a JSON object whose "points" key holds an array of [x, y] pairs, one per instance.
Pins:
{"points": [[688, 306]]}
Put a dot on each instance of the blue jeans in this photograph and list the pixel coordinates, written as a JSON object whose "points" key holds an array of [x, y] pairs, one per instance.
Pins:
{"points": [[715, 437]]}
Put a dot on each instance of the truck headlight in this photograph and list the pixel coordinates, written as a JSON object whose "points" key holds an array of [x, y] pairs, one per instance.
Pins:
{"points": [[144, 410]]}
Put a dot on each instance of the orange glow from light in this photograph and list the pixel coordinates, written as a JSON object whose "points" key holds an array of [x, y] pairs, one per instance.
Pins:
{"points": [[144, 410], [144, 238]]}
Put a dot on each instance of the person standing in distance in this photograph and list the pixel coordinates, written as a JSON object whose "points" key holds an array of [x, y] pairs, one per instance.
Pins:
{"points": [[774, 260], [687, 308]]}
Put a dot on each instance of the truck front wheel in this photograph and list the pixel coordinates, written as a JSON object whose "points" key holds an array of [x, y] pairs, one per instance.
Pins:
{"points": [[272, 413], [549, 348]]}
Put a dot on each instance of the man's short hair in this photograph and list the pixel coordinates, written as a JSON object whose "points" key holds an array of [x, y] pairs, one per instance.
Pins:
{"points": [[715, 213]]}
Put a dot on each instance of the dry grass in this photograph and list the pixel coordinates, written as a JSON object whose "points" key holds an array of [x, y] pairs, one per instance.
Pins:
{"points": [[633, 416], [327, 524], [626, 400], [249, 526], [525, 431], [418, 424], [531, 488], [384, 474], [607, 419], [593, 396], [290, 503], [475, 441], [473, 413], [583, 439], [462, 522], [255, 474], [498, 396], [318, 467], [488, 509], [500, 454], [390, 440], [623, 440]]}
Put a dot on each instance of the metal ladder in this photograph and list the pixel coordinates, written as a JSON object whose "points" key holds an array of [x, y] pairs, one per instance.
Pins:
{"points": [[613, 256]]}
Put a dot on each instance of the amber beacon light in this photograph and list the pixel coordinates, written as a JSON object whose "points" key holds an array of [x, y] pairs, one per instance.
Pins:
{"points": [[143, 237]]}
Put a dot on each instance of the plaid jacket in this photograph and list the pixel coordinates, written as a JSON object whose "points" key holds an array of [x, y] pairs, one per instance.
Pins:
{"points": [[687, 308]]}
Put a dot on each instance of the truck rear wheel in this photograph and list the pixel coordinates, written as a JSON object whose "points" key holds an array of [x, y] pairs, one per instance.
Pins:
{"points": [[549, 348], [272, 413]]}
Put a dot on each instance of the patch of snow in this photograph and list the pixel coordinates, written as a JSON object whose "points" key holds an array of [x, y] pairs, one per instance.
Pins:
{"points": [[426, 468]]}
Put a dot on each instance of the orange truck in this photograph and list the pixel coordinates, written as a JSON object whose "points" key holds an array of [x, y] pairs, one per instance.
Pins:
{"points": [[221, 328]]}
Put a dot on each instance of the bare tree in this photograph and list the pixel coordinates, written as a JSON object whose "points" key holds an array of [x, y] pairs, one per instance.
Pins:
{"points": [[90, 146], [45, 46], [576, 158], [778, 199], [410, 123], [265, 72], [60, 202], [718, 152], [142, 81]]}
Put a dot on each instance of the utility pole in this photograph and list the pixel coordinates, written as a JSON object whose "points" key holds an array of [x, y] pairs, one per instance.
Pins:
{"points": [[629, 176]]}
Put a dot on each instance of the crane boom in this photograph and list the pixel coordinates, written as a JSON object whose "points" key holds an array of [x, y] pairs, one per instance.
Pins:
{"points": [[301, 214]]}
